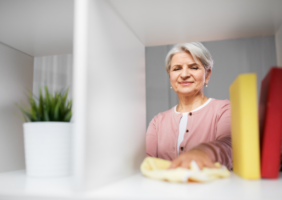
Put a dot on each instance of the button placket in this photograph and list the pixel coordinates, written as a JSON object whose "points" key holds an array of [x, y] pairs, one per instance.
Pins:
{"points": [[188, 128]]}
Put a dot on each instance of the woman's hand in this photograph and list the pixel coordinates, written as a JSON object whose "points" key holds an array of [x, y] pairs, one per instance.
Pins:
{"points": [[200, 157]]}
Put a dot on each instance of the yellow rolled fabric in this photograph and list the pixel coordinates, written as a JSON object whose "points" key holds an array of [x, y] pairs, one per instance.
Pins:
{"points": [[157, 168]]}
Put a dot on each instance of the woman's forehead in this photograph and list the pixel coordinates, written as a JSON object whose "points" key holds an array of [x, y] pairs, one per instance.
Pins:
{"points": [[183, 58]]}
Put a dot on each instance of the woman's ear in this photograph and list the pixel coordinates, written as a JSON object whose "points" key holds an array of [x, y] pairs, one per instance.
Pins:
{"points": [[208, 75]]}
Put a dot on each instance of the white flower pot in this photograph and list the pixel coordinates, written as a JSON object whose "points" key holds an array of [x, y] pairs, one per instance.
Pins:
{"points": [[47, 148]]}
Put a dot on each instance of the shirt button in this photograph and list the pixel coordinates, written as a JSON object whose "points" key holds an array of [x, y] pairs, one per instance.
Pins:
{"points": [[187, 130], [190, 114], [181, 148]]}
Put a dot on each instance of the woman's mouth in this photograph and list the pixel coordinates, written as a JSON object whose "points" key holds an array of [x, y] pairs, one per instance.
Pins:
{"points": [[186, 83]]}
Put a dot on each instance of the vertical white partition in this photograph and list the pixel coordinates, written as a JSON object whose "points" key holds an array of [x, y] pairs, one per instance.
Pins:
{"points": [[109, 96], [16, 73]]}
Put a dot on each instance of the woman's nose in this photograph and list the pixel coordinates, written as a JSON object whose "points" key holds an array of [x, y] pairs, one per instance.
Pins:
{"points": [[185, 73]]}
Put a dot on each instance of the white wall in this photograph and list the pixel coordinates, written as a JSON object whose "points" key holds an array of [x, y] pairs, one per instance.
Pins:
{"points": [[15, 78], [278, 41], [109, 95]]}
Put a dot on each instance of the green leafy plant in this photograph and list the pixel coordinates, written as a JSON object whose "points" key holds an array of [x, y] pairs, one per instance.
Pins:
{"points": [[48, 108]]}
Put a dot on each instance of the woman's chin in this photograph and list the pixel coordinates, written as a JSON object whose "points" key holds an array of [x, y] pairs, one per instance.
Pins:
{"points": [[186, 92]]}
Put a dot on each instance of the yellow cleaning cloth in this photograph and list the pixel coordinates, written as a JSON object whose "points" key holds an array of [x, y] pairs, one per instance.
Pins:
{"points": [[157, 168]]}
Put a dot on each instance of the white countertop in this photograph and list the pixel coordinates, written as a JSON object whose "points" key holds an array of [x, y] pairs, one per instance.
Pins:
{"points": [[15, 185]]}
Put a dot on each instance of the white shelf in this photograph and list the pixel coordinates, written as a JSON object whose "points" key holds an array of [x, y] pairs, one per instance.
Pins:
{"points": [[15, 185]]}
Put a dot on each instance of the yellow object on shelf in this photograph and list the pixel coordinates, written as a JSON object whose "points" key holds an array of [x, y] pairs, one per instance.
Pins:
{"points": [[244, 126], [157, 168]]}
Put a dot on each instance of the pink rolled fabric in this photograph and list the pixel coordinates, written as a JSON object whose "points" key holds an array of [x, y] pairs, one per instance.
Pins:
{"points": [[208, 129]]}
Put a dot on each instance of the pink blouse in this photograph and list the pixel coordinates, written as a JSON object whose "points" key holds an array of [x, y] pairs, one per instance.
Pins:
{"points": [[208, 129]]}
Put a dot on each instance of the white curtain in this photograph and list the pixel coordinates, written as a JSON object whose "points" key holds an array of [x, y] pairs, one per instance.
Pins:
{"points": [[55, 72]]}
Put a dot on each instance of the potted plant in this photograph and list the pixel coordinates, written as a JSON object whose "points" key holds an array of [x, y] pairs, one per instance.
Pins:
{"points": [[47, 134]]}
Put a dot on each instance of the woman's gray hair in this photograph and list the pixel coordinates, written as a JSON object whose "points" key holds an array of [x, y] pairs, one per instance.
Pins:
{"points": [[196, 49]]}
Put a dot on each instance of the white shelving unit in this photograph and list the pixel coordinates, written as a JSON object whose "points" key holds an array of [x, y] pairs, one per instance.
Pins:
{"points": [[15, 185], [108, 39]]}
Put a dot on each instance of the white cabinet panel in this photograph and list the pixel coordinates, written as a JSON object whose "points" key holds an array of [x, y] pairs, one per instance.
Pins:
{"points": [[16, 74], [278, 41], [109, 95]]}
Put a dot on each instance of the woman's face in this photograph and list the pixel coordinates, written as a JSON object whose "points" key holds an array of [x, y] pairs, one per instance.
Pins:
{"points": [[187, 77]]}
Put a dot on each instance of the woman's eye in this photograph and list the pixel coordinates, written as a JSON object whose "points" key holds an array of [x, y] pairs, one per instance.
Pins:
{"points": [[175, 69], [195, 68]]}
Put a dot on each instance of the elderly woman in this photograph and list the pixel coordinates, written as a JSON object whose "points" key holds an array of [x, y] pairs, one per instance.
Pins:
{"points": [[198, 128]]}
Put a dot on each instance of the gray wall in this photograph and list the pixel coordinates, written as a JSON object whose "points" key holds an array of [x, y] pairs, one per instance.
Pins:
{"points": [[231, 58]]}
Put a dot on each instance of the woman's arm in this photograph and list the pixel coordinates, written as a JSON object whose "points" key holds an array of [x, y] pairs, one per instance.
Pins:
{"points": [[152, 139], [219, 150]]}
